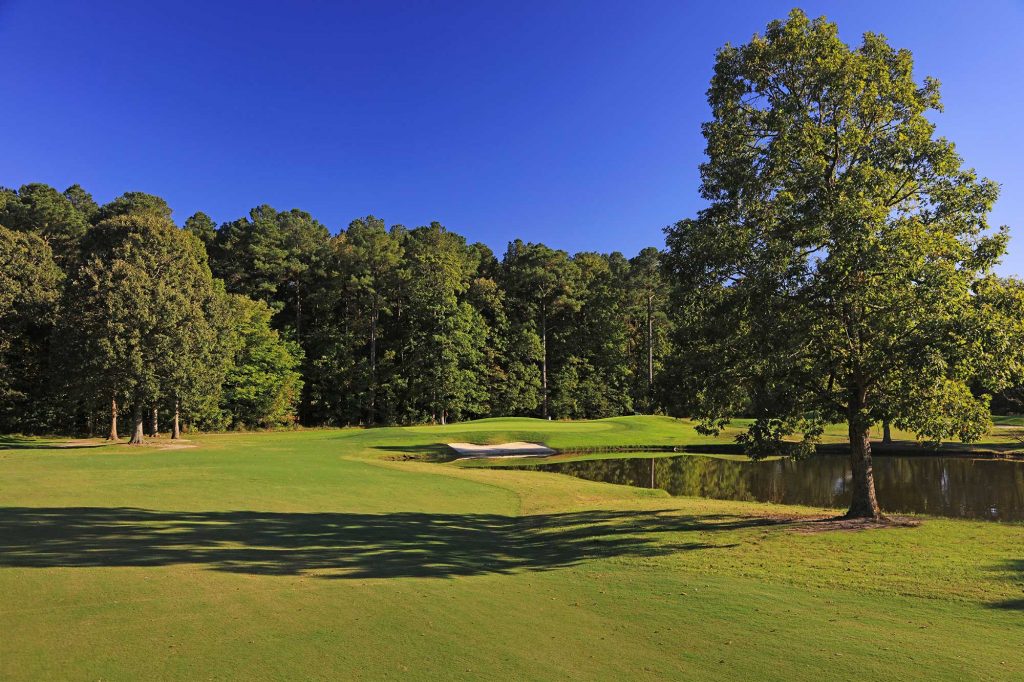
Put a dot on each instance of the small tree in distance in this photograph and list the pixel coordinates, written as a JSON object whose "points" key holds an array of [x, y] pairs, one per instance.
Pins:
{"points": [[842, 269]]}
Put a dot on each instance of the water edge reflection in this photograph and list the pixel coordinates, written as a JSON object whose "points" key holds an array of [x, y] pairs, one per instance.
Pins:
{"points": [[957, 487]]}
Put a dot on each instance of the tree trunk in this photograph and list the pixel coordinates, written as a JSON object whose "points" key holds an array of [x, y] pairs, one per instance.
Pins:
{"points": [[113, 419], [154, 424], [137, 431], [864, 504], [444, 417], [298, 310], [544, 359], [886, 432], [176, 423], [650, 353], [373, 366]]}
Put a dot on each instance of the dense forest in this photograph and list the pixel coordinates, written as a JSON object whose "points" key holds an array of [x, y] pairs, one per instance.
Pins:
{"points": [[115, 311]]}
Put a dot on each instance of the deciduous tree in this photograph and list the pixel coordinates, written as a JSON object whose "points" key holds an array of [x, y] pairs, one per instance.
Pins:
{"points": [[262, 384], [139, 317], [29, 295], [841, 269]]}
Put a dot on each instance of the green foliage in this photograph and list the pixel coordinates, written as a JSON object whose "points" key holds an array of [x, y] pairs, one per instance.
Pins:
{"points": [[353, 349], [191, 364], [82, 201], [372, 264], [261, 385], [202, 226], [134, 203], [418, 325], [597, 340], [447, 334], [270, 256], [541, 285], [44, 211], [140, 297], [649, 328], [29, 294], [511, 353], [600, 323], [392, 325]]}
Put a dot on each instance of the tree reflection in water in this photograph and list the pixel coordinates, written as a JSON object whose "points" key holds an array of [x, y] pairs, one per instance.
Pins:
{"points": [[941, 486]]}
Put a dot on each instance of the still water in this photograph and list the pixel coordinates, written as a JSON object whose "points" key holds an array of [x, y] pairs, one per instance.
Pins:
{"points": [[941, 486]]}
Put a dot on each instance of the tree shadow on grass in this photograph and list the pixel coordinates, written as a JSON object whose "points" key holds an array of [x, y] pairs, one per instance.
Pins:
{"points": [[27, 443], [435, 452], [1014, 570], [342, 545]]}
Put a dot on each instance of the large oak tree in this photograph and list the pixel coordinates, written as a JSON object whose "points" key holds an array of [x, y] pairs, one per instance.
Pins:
{"points": [[842, 269]]}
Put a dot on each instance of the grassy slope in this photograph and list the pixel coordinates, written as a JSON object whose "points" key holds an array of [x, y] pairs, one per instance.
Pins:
{"points": [[307, 555]]}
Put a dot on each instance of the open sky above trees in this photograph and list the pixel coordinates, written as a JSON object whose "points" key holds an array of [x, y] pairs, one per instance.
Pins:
{"points": [[575, 126]]}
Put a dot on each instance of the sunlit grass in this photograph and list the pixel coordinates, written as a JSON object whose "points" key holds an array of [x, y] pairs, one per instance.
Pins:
{"points": [[322, 554]]}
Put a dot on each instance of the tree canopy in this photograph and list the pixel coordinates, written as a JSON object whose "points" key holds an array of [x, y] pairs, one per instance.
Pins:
{"points": [[30, 284]]}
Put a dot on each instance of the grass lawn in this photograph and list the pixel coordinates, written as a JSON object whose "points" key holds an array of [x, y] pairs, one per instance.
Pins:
{"points": [[326, 555]]}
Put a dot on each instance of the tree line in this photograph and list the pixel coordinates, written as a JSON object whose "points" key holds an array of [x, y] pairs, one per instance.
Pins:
{"points": [[114, 310]]}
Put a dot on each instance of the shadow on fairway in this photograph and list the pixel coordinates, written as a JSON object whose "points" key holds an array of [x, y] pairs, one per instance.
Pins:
{"points": [[26, 443], [437, 452], [1014, 570], [340, 545]]}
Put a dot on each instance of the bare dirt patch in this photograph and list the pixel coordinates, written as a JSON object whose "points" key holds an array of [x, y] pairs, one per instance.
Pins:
{"points": [[806, 526], [158, 443], [175, 445], [811, 525]]}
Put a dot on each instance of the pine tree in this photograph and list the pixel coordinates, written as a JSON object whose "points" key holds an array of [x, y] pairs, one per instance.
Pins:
{"points": [[541, 288], [44, 211]]}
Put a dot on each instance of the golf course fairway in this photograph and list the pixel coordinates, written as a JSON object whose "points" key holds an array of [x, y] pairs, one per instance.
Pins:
{"points": [[349, 554]]}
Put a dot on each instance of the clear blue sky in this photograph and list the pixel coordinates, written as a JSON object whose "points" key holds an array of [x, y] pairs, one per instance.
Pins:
{"points": [[572, 123]]}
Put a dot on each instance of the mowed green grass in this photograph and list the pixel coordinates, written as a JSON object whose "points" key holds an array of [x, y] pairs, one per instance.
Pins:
{"points": [[323, 555]]}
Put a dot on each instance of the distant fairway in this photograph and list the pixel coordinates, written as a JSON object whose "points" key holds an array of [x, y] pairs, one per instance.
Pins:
{"points": [[339, 554]]}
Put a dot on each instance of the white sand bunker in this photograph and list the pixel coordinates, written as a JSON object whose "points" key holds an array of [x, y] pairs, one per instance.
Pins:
{"points": [[517, 449]]}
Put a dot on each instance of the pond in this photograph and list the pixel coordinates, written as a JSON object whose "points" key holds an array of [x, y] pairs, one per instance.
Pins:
{"points": [[941, 486]]}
